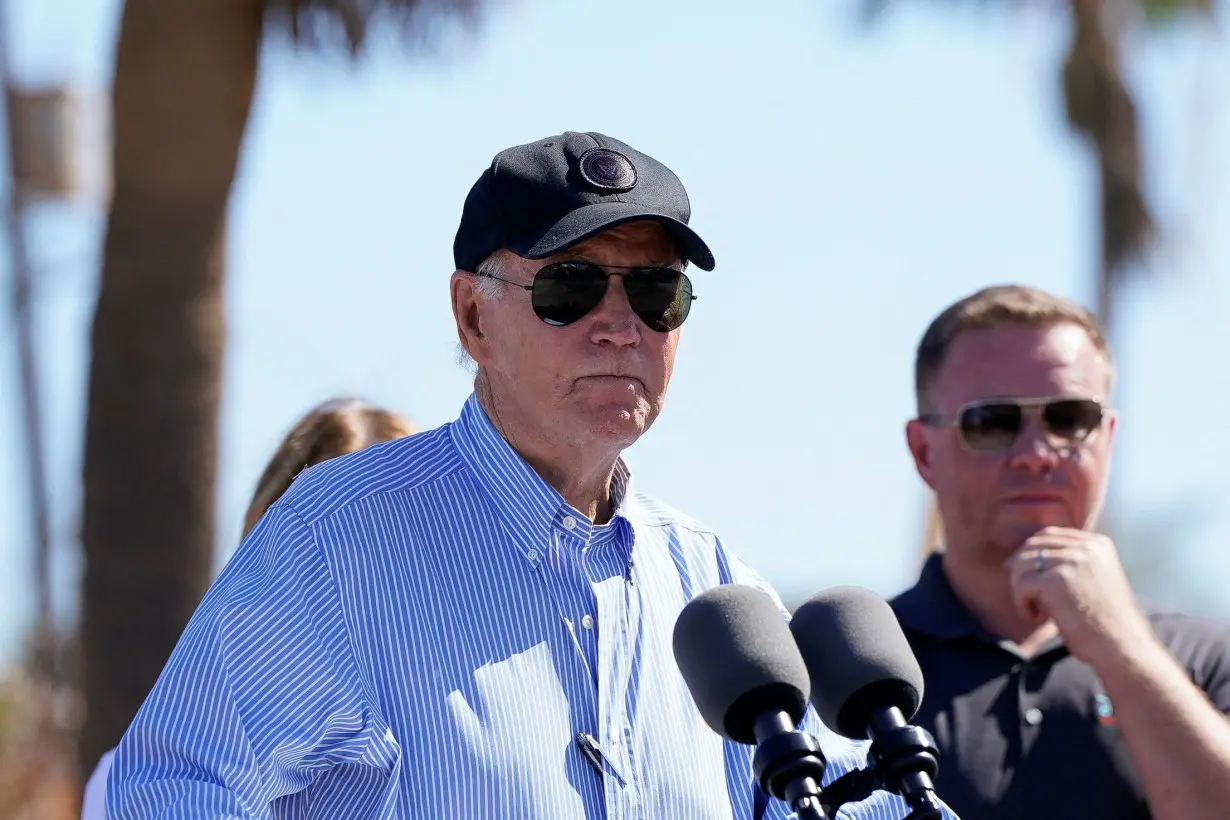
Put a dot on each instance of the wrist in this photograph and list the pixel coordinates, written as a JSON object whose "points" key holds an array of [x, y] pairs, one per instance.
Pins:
{"points": [[1119, 636], [1130, 659]]}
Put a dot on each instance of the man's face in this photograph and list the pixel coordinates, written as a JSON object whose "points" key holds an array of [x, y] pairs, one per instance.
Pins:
{"points": [[600, 380], [991, 501]]}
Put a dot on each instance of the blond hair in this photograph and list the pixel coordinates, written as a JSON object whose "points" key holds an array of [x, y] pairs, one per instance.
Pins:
{"points": [[998, 306], [330, 429]]}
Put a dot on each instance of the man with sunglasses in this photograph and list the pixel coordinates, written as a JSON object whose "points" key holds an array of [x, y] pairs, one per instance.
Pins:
{"points": [[475, 621], [1051, 691]]}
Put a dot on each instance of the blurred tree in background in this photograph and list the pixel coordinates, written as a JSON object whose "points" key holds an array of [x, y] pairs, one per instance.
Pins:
{"points": [[1099, 106], [185, 74]]}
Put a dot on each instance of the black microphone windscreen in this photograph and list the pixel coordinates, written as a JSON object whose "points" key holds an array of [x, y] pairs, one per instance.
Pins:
{"points": [[739, 660], [857, 657]]}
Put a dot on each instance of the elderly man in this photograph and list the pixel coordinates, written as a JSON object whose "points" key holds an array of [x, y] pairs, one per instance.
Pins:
{"points": [[475, 622], [1050, 690]]}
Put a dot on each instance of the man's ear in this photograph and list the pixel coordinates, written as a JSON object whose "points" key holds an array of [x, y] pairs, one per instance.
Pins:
{"points": [[916, 438], [468, 314]]}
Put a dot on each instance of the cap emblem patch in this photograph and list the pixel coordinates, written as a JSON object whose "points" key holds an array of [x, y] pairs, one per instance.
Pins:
{"points": [[607, 169]]}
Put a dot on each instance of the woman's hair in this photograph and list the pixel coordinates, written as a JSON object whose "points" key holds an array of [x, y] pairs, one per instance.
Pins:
{"points": [[331, 429]]}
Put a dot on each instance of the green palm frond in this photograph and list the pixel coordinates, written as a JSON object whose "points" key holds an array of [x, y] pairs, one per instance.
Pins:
{"points": [[350, 24], [1099, 106], [1154, 11], [1164, 11]]}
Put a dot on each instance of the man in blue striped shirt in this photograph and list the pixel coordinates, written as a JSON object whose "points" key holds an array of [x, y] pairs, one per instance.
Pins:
{"points": [[475, 622]]}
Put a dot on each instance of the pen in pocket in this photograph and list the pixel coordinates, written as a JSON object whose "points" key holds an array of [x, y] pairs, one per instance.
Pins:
{"points": [[593, 753]]}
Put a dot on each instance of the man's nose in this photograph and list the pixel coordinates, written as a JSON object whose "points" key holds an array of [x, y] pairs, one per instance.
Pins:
{"points": [[1032, 450], [613, 319]]}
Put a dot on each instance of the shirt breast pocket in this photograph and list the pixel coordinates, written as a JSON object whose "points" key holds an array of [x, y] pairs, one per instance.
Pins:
{"points": [[504, 729]]}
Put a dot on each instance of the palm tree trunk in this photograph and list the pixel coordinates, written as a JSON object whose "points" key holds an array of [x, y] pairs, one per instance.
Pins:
{"points": [[184, 79], [1100, 107]]}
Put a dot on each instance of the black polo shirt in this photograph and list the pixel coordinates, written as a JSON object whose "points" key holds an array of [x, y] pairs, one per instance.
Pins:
{"points": [[1033, 738]]}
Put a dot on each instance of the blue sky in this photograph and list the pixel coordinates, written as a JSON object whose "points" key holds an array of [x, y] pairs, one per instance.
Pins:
{"points": [[850, 183]]}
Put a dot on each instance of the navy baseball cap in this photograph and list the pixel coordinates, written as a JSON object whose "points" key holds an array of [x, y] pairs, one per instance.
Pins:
{"points": [[543, 197]]}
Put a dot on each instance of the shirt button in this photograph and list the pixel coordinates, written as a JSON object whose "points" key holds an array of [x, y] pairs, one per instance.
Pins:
{"points": [[532, 555], [1033, 716], [570, 523], [587, 621]]}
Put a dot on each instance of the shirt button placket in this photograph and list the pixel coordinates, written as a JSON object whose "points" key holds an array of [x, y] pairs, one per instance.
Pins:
{"points": [[1031, 714]]}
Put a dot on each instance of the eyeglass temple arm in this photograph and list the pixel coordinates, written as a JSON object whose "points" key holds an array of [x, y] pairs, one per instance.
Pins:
{"points": [[481, 275], [936, 420]]}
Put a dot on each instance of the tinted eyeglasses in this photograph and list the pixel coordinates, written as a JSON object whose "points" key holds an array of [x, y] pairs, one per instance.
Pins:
{"points": [[563, 292], [993, 425]]}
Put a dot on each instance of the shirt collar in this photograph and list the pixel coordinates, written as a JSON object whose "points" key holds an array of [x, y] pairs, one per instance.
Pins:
{"points": [[931, 607], [528, 505]]}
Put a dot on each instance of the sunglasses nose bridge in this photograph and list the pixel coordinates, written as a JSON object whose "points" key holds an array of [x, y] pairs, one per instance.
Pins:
{"points": [[615, 298], [1032, 431], [1033, 448], [615, 320]]}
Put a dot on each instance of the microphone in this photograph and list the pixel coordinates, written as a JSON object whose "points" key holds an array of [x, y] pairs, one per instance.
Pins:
{"points": [[866, 683], [744, 671]]}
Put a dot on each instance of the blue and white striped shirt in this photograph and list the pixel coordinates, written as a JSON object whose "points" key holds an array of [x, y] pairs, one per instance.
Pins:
{"points": [[421, 630]]}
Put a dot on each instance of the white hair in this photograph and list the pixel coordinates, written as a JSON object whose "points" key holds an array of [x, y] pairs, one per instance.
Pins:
{"points": [[496, 265], [499, 265]]}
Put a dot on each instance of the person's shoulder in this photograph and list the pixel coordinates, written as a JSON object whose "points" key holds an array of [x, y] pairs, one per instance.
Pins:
{"points": [[653, 512], [908, 594], [1172, 619], [910, 598], [403, 464], [701, 547], [1200, 644], [1183, 632]]}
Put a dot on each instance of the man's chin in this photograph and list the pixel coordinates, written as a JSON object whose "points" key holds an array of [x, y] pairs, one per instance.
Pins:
{"points": [[1015, 533], [619, 421]]}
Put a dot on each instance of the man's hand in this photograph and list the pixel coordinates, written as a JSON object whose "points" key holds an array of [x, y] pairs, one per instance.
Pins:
{"points": [[1179, 742], [1074, 578]]}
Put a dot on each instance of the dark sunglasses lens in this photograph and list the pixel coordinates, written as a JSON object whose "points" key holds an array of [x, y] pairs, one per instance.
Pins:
{"points": [[991, 426], [1072, 419], [661, 297], [566, 291]]}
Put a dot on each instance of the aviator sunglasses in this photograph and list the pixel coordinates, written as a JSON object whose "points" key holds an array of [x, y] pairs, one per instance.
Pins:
{"points": [[563, 292], [993, 425]]}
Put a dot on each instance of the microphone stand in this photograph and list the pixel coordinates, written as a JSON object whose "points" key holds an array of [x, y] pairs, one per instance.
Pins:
{"points": [[903, 760], [789, 765]]}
